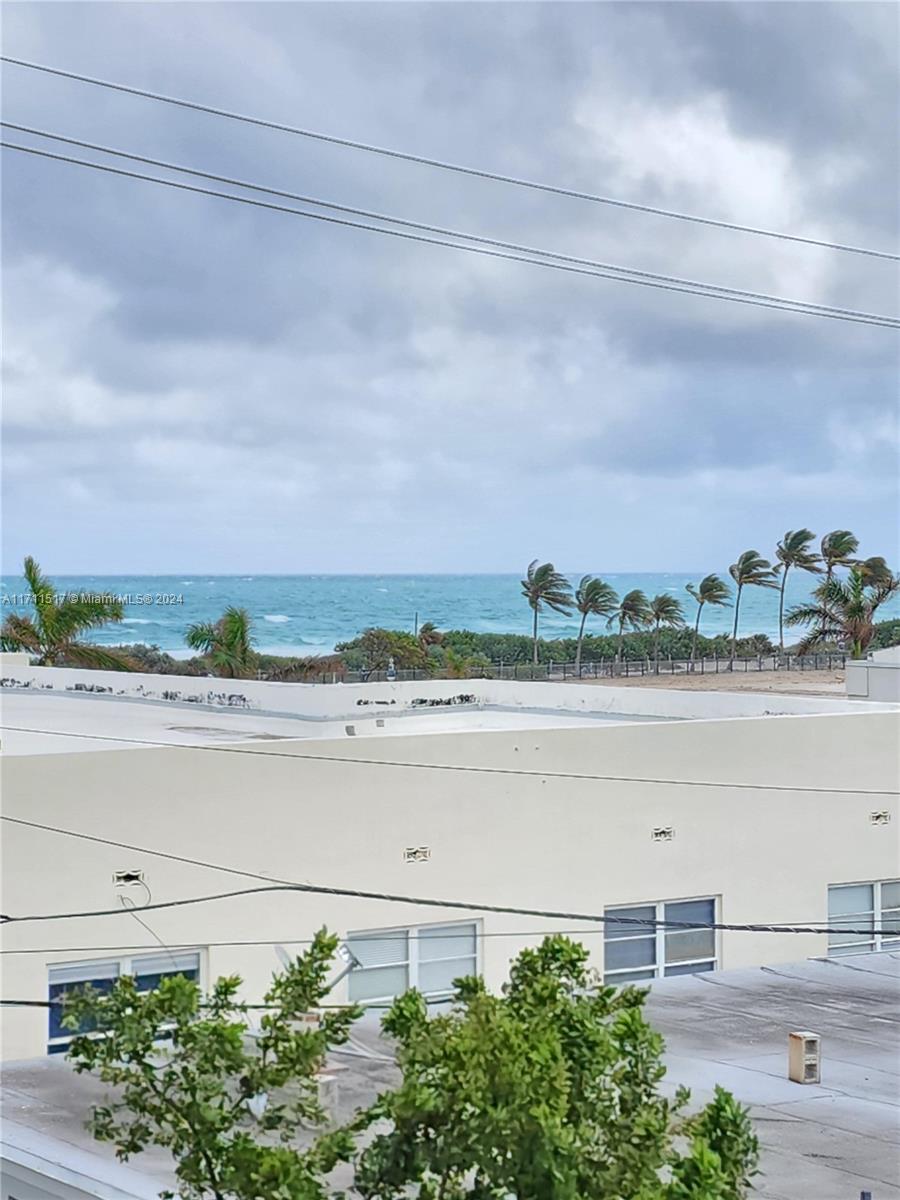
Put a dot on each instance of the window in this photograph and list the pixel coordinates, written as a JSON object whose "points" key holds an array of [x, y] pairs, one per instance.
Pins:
{"points": [[427, 957], [148, 970], [863, 906], [637, 952]]}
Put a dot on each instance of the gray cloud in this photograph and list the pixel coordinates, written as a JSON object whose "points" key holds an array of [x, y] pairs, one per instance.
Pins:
{"points": [[215, 387]]}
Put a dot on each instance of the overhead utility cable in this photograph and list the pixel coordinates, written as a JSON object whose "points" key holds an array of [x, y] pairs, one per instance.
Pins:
{"points": [[444, 165], [280, 885], [710, 291], [464, 768], [435, 229]]}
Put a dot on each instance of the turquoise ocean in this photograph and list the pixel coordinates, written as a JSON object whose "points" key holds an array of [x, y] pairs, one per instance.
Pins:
{"points": [[309, 614]]}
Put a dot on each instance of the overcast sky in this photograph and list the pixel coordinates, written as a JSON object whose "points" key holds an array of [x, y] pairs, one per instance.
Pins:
{"points": [[193, 385]]}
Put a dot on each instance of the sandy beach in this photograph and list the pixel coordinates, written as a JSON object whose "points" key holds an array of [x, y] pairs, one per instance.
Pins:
{"points": [[797, 683]]}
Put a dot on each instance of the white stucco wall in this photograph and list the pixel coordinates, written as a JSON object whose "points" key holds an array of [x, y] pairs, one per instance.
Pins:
{"points": [[876, 678], [551, 837]]}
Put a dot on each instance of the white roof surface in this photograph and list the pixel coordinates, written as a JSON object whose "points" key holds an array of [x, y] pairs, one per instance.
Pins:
{"points": [[37, 723]]}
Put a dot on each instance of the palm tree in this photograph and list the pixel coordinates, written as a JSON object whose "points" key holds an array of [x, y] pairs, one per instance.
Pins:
{"points": [[429, 635], [837, 549], [593, 598], [633, 613], [794, 551], [227, 643], [664, 610], [750, 570], [874, 570], [51, 635], [710, 590], [544, 586], [843, 611]]}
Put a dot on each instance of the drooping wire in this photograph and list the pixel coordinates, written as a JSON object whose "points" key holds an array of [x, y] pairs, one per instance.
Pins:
{"points": [[444, 165]]}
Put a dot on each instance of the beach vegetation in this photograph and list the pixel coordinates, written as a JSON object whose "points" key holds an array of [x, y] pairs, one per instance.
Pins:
{"points": [[632, 612], [750, 570], [227, 644], [593, 598], [665, 610], [794, 550], [53, 636], [711, 589], [842, 611], [545, 587]]}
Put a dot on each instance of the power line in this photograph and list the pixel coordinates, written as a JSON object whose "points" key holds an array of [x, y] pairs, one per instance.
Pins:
{"points": [[801, 308], [444, 165], [457, 767], [281, 885], [435, 229]]}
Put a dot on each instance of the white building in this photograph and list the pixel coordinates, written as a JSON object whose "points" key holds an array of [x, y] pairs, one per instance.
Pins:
{"points": [[876, 677], [566, 798]]}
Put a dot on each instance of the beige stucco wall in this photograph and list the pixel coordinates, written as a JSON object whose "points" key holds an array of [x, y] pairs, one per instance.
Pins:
{"points": [[534, 840]]}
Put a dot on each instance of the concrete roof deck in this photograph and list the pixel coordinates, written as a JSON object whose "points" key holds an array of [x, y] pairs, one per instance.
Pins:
{"points": [[37, 723], [827, 1141]]}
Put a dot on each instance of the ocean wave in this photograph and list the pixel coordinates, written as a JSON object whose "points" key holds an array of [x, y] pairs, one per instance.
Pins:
{"points": [[276, 618], [137, 621]]}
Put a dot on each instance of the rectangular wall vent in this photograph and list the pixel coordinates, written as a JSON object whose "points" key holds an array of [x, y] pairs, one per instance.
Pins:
{"points": [[350, 730], [128, 878], [662, 833], [880, 818], [415, 854]]}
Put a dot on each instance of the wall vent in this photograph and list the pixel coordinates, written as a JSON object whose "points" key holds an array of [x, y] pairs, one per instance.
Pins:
{"points": [[415, 854], [127, 878], [350, 730], [662, 833], [379, 723], [880, 818]]}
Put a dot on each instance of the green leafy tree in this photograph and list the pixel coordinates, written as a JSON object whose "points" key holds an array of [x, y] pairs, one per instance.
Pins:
{"points": [[374, 649], [794, 551], [750, 570], [226, 643], [549, 1091], [545, 587], [838, 549], [633, 612], [189, 1075], [711, 589], [843, 611], [52, 636], [666, 610], [593, 598]]}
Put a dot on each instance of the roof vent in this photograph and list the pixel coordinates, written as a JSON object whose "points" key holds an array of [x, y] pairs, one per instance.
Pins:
{"points": [[804, 1057]]}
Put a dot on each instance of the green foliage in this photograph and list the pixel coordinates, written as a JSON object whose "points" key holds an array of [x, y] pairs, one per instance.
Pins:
{"points": [[374, 649], [885, 634], [547, 1092], [545, 587], [185, 1070], [838, 549], [52, 635], [842, 612], [226, 644]]}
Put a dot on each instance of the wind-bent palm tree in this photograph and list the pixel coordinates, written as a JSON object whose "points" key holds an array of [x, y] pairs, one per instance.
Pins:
{"points": [[794, 551], [838, 549], [227, 643], [632, 613], [843, 611], [666, 610], [710, 590], [874, 570], [593, 598], [750, 570], [545, 587], [52, 634], [429, 635]]}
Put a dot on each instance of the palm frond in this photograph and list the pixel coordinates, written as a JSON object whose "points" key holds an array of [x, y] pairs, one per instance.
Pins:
{"points": [[98, 658]]}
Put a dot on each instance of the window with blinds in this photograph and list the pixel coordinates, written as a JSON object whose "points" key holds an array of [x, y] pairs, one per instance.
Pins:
{"points": [[147, 969], [426, 957], [638, 947], [864, 916]]}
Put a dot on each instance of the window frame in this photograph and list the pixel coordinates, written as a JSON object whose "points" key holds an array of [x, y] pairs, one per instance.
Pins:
{"points": [[876, 915], [124, 964], [413, 962], [657, 969]]}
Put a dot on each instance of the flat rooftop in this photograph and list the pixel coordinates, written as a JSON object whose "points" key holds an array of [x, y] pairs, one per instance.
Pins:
{"points": [[37, 723], [827, 1141]]}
